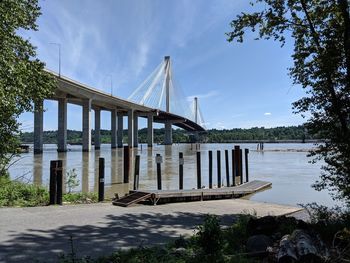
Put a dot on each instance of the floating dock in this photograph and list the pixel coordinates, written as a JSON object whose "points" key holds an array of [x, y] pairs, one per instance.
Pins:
{"points": [[170, 196]]}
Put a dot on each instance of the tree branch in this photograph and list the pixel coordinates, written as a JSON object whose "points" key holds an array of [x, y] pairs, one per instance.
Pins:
{"points": [[330, 85]]}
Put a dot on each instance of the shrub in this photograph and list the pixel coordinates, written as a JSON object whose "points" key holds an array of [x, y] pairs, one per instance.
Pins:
{"points": [[80, 198], [209, 236], [16, 193]]}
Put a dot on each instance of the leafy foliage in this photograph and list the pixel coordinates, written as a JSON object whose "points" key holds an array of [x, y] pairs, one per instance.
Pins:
{"points": [[321, 34], [80, 198], [23, 80], [16, 193], [180, 136], [71, 180], [209, 235]]}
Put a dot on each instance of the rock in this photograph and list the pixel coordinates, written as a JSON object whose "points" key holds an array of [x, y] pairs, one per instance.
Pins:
{"points": [[269, 225], [302, 246], [258, 243], [266, 225]]}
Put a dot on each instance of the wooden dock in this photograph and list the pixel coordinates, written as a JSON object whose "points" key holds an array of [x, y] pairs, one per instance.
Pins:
{"points": [[170, 196]]}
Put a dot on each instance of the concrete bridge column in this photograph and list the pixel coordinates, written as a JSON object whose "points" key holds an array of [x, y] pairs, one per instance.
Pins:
{"points": [[114, 128], [62, 125], [97, 137], [38, 127], [86, 125], [136, 130], [168, 139], [150, 129], [131, 127], [120, 130]]}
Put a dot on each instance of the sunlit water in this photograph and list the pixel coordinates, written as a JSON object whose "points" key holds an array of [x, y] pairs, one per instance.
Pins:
{"points": [[288, 170]]}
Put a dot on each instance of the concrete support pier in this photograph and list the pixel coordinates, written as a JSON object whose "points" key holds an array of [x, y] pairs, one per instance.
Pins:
{"points": [[62, 125], [114, 128], [97, 136], [150, 129], [38, 128], [86, 125], [136, 130], [120, 130], [168, 138], [131, 127]]}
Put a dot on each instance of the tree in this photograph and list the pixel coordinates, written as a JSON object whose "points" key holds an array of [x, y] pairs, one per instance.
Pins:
{"points": [[321, 33], [23, 80]]}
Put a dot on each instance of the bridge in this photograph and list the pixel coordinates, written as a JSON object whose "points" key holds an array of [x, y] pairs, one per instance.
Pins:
{"points": [[158, 98]]}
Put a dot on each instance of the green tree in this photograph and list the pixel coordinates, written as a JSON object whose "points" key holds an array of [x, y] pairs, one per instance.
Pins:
{"points": [[320, 30], [23, 80]]}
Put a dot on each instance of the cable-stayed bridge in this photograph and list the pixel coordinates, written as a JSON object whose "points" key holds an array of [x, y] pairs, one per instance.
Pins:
{"points": [[159, 99]]}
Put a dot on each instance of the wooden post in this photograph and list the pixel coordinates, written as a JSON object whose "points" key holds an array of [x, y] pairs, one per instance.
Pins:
{"points": [[126, 164], [199, 181], [219, 167], [210, 169], [246, 151], [53, 180], [241, 165], [56, 182], [237, 161], [159, 171], [233, 168], [227, 169], [137, 172], [101, 179], [59, 182], [181, 170]]}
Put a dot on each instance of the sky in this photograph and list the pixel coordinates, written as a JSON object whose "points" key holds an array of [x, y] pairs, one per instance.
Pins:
{"points": [[113, 45]]}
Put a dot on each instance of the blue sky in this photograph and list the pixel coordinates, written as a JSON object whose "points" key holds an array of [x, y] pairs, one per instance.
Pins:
{"points": [[238, 85]]}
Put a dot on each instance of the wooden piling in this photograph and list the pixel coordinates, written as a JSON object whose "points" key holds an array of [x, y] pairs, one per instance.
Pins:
{"points": [[218, 159], [101, 179], [227, 169], [210, 169], [199, 175], [126, 164], [159, 171], [241, 165], [181, 170], [237, 161], [137, 172], [53, 179], [59, 183], [246, 152], [233, 168], [56, 182]]}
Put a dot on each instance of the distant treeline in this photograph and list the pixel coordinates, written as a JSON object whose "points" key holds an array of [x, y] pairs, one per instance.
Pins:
{"points": [[298, 133]]}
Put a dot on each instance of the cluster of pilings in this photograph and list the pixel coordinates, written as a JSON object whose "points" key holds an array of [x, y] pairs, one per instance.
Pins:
{"points": [[234, 176], [236, 171]]}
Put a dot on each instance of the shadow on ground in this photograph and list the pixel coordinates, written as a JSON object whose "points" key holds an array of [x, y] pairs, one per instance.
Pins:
{"points": [[112, 233]]}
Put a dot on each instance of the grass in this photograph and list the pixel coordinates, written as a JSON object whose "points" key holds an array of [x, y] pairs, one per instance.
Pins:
{"points": [[19, 194], [16, 193]]}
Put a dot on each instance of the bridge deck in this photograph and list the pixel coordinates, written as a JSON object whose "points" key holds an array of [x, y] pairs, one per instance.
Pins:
{"points": [[170, 196]]}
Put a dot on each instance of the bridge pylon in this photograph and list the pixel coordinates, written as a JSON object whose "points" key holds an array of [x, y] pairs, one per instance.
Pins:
{"points": [[168, 138]]}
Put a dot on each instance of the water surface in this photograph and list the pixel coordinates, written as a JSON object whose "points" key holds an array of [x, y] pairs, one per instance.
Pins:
{"points": [[286, 166]]}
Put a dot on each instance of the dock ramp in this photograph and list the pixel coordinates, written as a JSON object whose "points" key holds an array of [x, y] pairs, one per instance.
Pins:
{"points": [[133, 198]]}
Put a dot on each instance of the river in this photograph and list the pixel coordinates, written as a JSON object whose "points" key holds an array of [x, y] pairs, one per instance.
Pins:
{"points": [[286, 166]]}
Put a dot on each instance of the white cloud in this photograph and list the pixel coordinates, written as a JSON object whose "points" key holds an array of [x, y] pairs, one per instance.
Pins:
{"points": [[207, 95], [267, 113]]}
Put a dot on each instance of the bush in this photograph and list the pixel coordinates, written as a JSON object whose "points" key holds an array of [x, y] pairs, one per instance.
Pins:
{"points": [[16, 193], [209, 235], [80, 198], [237, 235]]}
